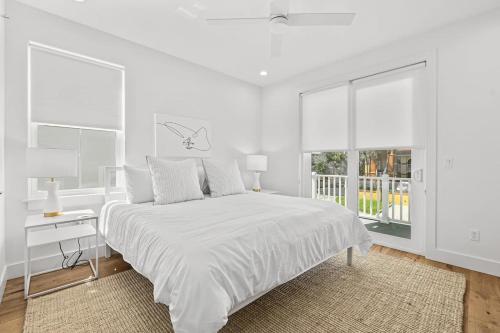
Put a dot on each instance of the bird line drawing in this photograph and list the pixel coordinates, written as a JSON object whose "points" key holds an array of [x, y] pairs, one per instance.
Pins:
{"points": [[191, 139]]}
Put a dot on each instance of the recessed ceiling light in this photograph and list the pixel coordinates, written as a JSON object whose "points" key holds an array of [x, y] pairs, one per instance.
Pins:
{"points": [[263, 73], [79, 0]]}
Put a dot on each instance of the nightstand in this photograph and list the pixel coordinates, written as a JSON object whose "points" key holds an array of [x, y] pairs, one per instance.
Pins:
{"points": [[39, 230]]}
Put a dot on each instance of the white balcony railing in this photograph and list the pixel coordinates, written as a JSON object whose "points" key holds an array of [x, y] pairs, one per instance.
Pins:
{"points": [[381, 198]]}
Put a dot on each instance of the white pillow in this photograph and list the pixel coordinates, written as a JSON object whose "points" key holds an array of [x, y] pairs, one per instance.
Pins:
{"points": [[174, 181], [139, 185], [224, 177]]}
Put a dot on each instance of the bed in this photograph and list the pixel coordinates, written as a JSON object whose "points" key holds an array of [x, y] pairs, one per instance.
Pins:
{"points": [[209, 258]]}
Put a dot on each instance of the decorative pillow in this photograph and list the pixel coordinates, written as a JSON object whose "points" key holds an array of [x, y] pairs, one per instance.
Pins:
{"points": [[139, 185], [224, 177], [174, 181]]}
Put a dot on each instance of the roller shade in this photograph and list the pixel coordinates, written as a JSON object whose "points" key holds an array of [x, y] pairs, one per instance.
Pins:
{"points": [[388, 110], [325, 120], [68, 90]]}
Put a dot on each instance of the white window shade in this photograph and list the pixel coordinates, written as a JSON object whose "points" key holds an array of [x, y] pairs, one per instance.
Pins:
{"points": [[387, 111], [69, 90], [325, 120]]}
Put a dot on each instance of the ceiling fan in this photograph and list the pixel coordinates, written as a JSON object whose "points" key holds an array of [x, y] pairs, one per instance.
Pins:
{"points": [[280, 20]]}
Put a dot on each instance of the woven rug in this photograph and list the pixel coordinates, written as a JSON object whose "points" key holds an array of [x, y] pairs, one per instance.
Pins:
{"points": [[378, 294]]}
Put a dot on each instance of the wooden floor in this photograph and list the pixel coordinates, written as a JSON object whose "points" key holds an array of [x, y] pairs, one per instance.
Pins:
{"points": [[482, 299]]}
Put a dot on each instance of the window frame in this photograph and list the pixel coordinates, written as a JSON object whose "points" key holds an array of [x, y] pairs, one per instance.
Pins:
{"points": [[33, 192]]}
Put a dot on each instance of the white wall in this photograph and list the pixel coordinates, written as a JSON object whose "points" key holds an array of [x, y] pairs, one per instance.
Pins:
{"points": [[155, 82], [2, 113], [468, 117]]}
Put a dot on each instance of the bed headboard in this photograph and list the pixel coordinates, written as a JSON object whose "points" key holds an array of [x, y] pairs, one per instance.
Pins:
{"points": [[111, 191]]}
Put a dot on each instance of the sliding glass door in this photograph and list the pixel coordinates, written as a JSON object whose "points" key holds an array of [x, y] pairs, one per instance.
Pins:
{"points": [[362, 141]]}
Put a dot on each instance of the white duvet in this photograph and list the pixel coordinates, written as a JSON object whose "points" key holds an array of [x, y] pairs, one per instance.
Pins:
{"points": [[207, 258]]}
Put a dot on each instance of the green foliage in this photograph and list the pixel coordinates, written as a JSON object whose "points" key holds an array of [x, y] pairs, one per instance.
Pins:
{"points": [[331, 163], [335, 163]]}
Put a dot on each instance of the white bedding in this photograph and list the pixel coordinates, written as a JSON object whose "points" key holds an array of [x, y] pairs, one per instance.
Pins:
{"points": [[208, 257]]}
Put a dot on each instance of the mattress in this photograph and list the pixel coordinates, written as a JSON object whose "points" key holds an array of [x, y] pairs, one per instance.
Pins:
{"points": [[207, 258]]}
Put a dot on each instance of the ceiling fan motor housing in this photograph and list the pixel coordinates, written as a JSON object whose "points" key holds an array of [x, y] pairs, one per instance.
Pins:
{"points": [[279, 24]]}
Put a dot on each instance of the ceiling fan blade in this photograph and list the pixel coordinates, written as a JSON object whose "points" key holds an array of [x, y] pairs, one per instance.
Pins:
{"points": [[320, 19], [237, 20], [279, 7], [276, 45]]}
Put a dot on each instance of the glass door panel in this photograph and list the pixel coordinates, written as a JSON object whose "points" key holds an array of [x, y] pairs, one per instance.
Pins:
{"points": [[385, 191], [329, 177]]}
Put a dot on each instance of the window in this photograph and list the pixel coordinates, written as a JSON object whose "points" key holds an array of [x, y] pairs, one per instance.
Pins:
{"points": [[329, 176], [96, 149], [76, 103], [325, 137]]}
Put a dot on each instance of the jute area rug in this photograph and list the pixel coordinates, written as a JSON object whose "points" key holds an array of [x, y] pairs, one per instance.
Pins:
{"points": [[378, 294]]}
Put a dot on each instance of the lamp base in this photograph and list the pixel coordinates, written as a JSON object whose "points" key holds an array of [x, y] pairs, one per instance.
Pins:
{"points": [[256, 182], [52, 205], [52, 214]]}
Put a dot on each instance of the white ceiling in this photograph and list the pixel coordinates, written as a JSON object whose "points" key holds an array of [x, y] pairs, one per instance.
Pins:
{"points": [[242, 51]]}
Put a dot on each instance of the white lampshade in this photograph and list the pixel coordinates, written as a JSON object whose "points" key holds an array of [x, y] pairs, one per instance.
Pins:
{"points": [[257, 163], [51, 163]]}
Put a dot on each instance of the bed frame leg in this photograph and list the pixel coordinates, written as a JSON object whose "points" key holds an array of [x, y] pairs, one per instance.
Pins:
{"points": [[349, 256], [107, 251]]}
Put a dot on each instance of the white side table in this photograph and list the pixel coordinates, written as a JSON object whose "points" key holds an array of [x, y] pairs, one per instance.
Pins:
{"points": [[37, 232]]}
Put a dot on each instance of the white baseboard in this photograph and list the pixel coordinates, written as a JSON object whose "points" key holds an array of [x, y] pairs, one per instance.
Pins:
{"points": [[44, 264], [474, 263], [397, 247], [3, 282], [462, 260]]}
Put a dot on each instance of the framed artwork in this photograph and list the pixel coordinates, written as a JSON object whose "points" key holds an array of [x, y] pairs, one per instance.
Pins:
{"points": [[181, 136]]}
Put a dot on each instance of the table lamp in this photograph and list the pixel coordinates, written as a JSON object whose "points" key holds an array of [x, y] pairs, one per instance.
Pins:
{"points": [[51, 163], [258, 164]]}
